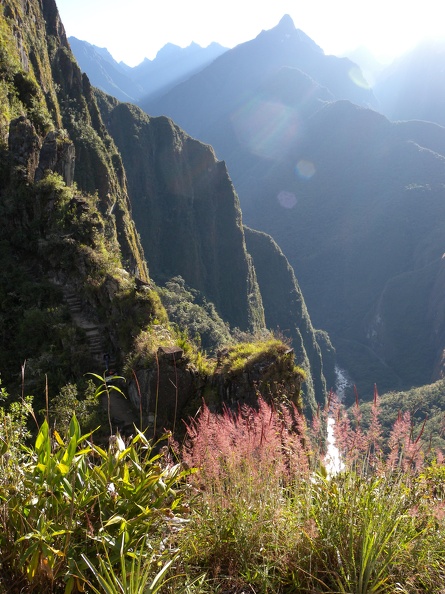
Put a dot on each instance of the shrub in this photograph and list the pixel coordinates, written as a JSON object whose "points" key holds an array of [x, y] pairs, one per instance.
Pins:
{"points": [[70, 505]]}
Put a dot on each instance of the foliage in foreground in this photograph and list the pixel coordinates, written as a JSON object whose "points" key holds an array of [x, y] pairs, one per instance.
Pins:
{"points": [[266, 512], [71, 510], [271, 516]]}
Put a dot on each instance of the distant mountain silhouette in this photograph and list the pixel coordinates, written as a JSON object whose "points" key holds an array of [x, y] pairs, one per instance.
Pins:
{"points": [[369, 64], [229, 83], [413, 87], [171, 66], [104, 72]]}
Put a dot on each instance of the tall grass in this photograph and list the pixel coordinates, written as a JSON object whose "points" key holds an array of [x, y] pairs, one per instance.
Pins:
{"points": [[268, 518]]}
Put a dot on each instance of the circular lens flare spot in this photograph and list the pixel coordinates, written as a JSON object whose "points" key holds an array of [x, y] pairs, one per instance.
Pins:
{"points": [[305, 169], [287, 199]]}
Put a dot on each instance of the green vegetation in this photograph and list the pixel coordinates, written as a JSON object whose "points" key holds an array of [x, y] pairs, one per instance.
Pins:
{"points": [[243, 355], [191, 312], [259, 509], [425, 405], [69, 507]]}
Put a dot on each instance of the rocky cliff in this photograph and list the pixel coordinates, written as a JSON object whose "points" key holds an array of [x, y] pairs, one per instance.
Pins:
{"points": [[187, 212], [69, 248], [188, 216], [286, 311]]}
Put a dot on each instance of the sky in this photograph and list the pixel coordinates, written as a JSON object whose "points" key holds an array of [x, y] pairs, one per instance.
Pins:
{"points": [[136, 29]]}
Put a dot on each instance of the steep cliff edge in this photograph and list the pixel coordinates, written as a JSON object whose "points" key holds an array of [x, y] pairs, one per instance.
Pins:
{"points": [[68, 245], [76, 295], [189, 218], [286, 312], [186, 211]]}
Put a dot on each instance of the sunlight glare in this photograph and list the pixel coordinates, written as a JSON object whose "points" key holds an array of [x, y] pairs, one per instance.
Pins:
{"points": [[267, 128]]}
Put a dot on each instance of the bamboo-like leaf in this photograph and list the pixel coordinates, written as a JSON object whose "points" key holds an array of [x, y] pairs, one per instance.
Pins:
{"points": [[114, 520], [32, 565], [43, 443], [74, 430]]}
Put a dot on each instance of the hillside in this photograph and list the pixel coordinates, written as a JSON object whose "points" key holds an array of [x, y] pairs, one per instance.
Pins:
{"points": [[69, 244], [76, 293], [364, 233]]}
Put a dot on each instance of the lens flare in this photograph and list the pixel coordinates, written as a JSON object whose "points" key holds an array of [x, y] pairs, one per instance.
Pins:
{"points": [[305, 169], [266, 128], [356, 75], [287, 199]]}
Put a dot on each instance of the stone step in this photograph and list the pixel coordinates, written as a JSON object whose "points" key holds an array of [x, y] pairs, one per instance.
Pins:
{"points": [[92, 331]]}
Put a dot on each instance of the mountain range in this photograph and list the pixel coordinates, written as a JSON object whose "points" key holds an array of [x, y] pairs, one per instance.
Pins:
{"points": [[354, 201], [103, 203], [150, 78]]}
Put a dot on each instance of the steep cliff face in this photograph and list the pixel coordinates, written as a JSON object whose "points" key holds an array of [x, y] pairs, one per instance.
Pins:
{"points": [[186, 211], [54, 95], [68, 251], [286, 312], [75, 290]]}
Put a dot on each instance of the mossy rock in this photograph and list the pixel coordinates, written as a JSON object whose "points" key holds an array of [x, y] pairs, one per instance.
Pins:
{"points": [[265, 368]]}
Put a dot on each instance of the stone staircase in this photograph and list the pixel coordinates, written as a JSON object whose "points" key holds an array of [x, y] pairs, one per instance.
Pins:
{"points": [[93, 332]]}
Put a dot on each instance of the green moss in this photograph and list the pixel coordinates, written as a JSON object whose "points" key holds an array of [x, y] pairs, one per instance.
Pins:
{"points": [[246, 354]]}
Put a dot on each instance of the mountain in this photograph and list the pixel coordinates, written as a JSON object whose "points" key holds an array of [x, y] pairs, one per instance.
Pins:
{"points": [[228, 85], [412, 88], [104, 72], [171, 66], [368, 63], [186, 211], [190, 224], [70, 252], [284, 307], [76, 293], [354, 201], [361, 220]]}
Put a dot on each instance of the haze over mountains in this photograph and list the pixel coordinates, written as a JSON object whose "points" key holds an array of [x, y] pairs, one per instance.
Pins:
{"points": [[356, 203], [171, 66]]}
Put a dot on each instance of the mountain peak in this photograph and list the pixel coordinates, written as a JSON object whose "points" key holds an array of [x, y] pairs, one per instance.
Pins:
{"points": [[286, 23]]}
